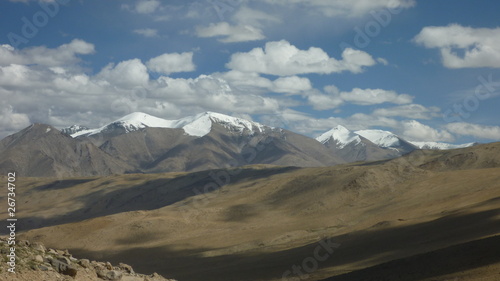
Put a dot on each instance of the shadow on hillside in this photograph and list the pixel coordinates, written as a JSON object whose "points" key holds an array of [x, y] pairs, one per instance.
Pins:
{"points": [[154, 194], [453, 259], [444, 242], [62, 184]]}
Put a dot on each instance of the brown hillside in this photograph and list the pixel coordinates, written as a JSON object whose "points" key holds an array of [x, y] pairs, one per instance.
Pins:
{"points": [[267, 219]]}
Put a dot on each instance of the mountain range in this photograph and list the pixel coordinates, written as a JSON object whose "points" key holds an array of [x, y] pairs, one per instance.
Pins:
{"points": [[141, 143]]}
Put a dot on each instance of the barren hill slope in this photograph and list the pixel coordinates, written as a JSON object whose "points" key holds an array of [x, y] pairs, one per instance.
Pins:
{"points": [[43, 151], [256, 223]]}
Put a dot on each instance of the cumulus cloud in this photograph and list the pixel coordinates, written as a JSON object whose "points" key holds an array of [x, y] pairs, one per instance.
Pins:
{"points": [[283, 59], [172, 62], [230, 33], [146, 32], [11, 121], [475, 130], [374, 96], [63, 55], [292, 85], [64, 95], [16, 75], [130, 73], [246, 80], [323, 102], [416, 131], [352, 8], [480, 46], [212, 93], [252, 82], [412, 111], [334, 98], [320, 101], [309, 125]]}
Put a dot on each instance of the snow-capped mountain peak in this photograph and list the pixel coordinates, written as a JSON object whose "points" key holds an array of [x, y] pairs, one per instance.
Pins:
{"points": [[341, 135], [74, 129], [439, 145], [198, 125], [201, 125], [380, 137]]}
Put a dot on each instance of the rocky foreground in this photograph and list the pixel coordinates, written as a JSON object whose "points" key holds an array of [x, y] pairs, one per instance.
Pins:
{"points": [[34, 262]]}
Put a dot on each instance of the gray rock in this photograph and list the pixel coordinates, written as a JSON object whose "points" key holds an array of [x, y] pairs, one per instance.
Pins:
{"points": [[39, 258], [63, 266], [23, 243], [112, 275], [109, 266], [84, 263], [52, 251], [127, 268], [38, 247], [132, 278]]}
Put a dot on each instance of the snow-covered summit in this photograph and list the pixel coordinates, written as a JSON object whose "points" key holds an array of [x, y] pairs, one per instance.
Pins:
{"points": [[439, 145], [380, 137], [383, 139], [198, 125], [341, 135], [74, 129]]}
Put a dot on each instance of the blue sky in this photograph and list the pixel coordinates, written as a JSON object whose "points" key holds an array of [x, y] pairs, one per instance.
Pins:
{"points": [[427, 70]]}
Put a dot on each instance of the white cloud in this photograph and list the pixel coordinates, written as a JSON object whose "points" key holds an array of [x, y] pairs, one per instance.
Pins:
{"points": [[212, 93], [283, 59], [309, 125], [63, 55], [324, 102], [416, 131], [320, 101], [130, 73], [352, 8], [252, 82], [374, 96], [146, 32], [292, 85], [481, 46], [335, 98], [382, 61], [246, 80], [230, 33], [147, 6], [475, 130], [412, 111], [11, 121], [15, 75], [248, 16], [64, 95], [171, 63]]}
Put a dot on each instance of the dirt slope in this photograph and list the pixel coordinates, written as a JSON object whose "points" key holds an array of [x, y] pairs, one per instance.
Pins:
{"points": [[263, 220]]}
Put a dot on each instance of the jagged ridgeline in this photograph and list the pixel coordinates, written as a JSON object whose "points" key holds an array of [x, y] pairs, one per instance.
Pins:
{"points": [[141, 143]]}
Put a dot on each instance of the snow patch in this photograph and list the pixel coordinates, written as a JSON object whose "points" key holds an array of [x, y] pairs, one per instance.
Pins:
{"points": [[439, 145], [341, 135], [380, 137], [198, 125]]}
